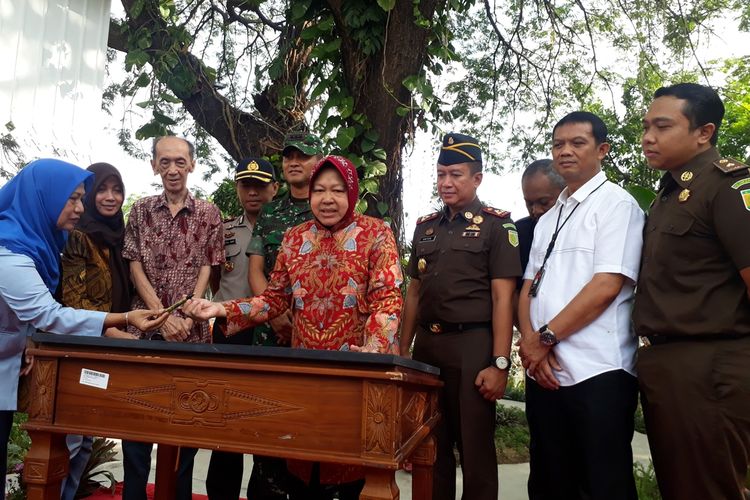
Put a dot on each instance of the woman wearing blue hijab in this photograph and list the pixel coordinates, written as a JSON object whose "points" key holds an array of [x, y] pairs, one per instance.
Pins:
{"points": [[37, 209]]}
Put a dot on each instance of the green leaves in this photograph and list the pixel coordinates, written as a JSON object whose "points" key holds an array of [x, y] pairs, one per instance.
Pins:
{"points": [[136, 58], [387, 5], [642, 195], [345, 136]]}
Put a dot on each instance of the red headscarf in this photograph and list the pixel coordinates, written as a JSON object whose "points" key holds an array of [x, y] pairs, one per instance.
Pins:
{"points": [[349, 173]]}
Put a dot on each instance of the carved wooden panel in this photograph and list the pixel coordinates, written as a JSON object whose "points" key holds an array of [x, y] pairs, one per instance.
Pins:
{"points": [[38, 470], [211, 403], [379, 413], [43, 379]]}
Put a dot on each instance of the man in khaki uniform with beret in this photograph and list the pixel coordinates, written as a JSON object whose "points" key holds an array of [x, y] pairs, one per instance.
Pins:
{"points": [[463, 267], [692, 301]]}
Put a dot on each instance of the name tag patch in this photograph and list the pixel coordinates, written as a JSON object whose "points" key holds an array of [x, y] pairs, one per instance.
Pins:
{"points": [[426, 238]]}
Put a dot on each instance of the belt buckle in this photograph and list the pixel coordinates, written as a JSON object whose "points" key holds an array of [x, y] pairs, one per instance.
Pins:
{"points": [[436, 328]]}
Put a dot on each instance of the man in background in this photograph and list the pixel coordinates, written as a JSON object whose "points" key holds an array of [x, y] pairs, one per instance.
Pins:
{"points": [[300, 154], [256, 185], [459, 303], [171, 240], [541, 185], [693, 303], [577, 342]]}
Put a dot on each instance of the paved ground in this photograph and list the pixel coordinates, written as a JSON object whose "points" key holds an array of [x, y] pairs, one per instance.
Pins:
{"points": [[512, 477]]}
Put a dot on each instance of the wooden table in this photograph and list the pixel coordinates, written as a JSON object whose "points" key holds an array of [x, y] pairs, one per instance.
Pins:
{"points": [[373, 410]]}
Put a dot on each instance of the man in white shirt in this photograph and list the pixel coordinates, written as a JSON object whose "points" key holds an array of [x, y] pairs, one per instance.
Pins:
{"points": [[577, 342]]}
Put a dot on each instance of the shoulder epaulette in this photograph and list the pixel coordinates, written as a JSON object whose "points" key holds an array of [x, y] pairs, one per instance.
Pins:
{"points": [[496, 212], [228, 219], [425, 218], [729, 165]]}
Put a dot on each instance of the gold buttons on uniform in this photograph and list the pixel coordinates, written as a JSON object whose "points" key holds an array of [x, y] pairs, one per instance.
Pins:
{"points": [[422, 265], [477, 219], [684, 195], [468, 215], [429, 231]]}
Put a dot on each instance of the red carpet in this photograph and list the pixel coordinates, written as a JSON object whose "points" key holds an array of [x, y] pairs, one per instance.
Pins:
{"points": [[104, 494]]}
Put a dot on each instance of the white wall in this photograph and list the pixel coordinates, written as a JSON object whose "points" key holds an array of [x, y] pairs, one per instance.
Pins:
{"points": [[52, 59]]}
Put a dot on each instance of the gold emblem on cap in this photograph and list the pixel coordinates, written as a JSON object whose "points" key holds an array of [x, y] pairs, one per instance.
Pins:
{"points": [[429, 231], [468, 215], [450, 140], [684, 195], [686, 176], [477, 219], [422, 265], [252, 166]]}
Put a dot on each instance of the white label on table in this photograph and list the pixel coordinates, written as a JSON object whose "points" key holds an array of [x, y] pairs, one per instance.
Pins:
{"points": [[94, 378]]}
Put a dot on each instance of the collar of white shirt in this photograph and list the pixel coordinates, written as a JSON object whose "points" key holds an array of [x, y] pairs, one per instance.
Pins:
{"points": [[584, 191]]}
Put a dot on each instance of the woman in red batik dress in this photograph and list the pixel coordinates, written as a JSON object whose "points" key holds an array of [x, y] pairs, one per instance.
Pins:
{"points": [[340, 273]]}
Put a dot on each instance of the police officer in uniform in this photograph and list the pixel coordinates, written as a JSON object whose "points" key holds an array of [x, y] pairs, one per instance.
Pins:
{"points": [[463, 269], [692, 301], [256, 185]]}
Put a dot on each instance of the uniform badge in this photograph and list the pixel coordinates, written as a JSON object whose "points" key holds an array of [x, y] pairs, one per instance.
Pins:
{"points": [[686, 176], [746, 198], [477, 219], [429, 232], [230, 242], [513, 238], [684, 195], [229, 266], [422, 265], [228, 234], [468, 215], [473, 227], [741, 182], [470, 234], [450, 140]]}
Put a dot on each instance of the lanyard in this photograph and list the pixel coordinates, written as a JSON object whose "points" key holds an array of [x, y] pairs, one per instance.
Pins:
{"points": [[558, 227]]}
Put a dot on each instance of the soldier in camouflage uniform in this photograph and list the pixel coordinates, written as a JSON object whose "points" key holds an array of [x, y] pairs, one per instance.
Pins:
{"points": [[268, 480], [301, 153]]}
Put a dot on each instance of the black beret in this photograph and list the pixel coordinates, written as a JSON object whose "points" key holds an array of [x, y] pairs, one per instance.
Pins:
{"points": [[459, 148]]}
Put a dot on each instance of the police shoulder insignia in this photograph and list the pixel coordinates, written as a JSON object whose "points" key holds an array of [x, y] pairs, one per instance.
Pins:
{"points": [[496, 212], [425, 218], [729, 165]]}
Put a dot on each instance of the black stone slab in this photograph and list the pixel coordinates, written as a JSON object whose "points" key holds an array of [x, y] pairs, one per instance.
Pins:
{"points": [[268, 352]]}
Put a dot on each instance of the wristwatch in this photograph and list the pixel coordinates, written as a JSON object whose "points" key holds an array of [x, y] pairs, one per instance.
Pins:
{"points": [[501, 362], [547, 337]]}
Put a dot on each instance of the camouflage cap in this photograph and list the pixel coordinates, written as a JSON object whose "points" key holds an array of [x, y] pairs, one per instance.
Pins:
{"points": [[305, 142]]}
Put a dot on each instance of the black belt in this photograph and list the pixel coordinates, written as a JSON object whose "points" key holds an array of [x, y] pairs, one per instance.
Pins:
{"points": [[443, 327], [668, 339]]}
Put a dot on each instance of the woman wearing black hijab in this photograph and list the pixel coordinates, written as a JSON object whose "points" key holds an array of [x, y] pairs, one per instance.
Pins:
{"points": [[94, 274], [95, 277]]}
